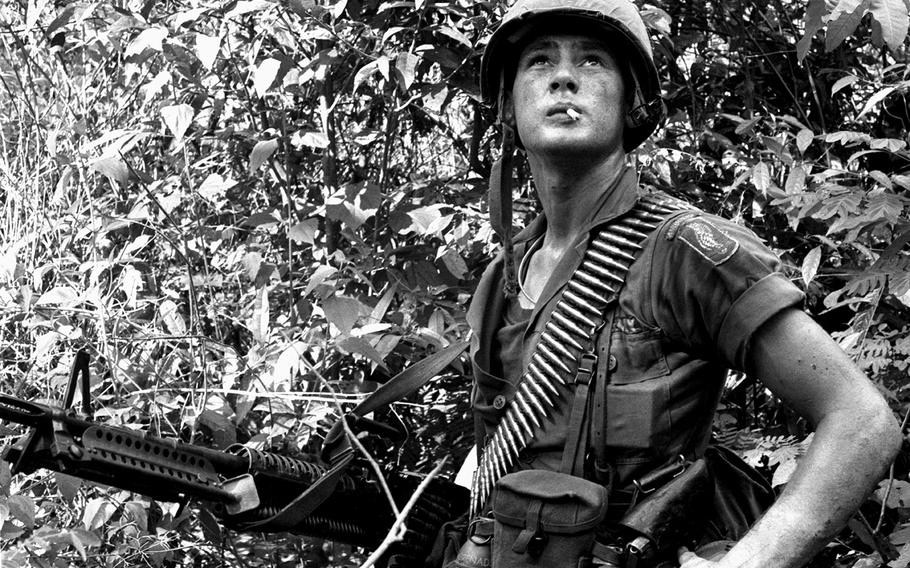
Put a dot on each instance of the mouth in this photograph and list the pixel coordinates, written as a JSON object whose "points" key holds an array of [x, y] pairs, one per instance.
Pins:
{"points": [[563, 109]]}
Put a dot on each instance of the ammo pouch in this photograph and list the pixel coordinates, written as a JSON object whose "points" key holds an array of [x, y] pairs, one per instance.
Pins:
{"points": [[741, 495], [545, 518], [669, 517]]}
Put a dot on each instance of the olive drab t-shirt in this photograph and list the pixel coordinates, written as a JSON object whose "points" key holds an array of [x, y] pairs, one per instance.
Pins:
{"points": [[699, 290]]}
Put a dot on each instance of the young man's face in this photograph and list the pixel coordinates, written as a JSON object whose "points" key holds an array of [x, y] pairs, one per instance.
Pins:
{"points": [[568, 97]]}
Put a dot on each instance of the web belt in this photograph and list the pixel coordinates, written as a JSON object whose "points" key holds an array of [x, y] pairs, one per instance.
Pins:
{"points": [[567, 336]]}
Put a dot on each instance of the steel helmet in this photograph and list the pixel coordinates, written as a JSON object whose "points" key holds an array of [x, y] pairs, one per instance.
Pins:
{"points": [[626, 31]]}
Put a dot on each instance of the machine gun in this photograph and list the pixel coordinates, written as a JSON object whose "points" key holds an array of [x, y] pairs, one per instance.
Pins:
{"points": [[334, 495]]}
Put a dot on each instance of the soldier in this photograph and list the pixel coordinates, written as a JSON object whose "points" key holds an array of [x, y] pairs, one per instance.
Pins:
{"points": [[639, 303]]}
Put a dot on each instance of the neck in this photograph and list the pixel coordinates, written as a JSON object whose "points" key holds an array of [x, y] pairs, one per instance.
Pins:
{"points": [[568, 192]]}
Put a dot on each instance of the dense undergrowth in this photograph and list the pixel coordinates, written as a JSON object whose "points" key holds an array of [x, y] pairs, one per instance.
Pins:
{"points": [[251, 212]]}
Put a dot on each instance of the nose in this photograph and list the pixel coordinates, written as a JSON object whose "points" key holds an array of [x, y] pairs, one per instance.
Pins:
{"points": [[564, 78]]}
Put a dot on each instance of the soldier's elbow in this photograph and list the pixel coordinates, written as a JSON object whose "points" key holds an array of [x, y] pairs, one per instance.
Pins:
{"points": [[884, 431]]}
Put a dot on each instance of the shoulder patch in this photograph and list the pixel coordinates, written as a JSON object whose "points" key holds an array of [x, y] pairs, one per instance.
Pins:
{"points": [[706, 239]]}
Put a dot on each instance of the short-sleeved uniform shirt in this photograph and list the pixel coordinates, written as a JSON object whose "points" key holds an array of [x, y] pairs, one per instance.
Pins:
{"points": [[699, 290]]}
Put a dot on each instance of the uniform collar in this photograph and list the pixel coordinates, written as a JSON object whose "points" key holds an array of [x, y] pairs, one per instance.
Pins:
{"points": [[614, 201]]}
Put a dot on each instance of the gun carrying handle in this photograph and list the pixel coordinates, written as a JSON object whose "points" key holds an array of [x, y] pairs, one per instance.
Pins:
{"points": [[22, 412], [78, 371]]}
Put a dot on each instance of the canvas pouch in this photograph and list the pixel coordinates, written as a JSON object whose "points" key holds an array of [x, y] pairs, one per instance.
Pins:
{"points": [[545, 518]]}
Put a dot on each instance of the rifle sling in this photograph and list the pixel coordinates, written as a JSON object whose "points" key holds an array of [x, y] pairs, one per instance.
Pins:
{"points": [[396, 388], [337, 449]]}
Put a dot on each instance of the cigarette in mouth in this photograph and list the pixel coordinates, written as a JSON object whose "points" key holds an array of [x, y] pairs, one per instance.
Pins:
{"points": [[573, 114]]}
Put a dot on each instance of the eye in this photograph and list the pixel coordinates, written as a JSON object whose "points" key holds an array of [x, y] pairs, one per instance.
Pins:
{"points": [[537, 59], [592, 60]]}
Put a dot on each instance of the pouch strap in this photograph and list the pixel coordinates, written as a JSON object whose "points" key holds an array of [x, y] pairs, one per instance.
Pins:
{"points": [[532, 528], [577, 433], [603, 473]]}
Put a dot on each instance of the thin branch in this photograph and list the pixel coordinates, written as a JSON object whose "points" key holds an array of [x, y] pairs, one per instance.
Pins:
{"points": [[398, 530], [881, 513]]}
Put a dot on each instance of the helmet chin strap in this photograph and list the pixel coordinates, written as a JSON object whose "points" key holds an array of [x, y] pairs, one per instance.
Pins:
{"points": [[501, 207], [501, 191]]}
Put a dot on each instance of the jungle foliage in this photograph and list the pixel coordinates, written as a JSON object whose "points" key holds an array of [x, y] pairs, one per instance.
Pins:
{"points": [[252, 212]]}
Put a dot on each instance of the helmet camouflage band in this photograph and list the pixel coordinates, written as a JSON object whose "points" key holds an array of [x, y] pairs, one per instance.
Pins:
{"points": [[624, 30]]}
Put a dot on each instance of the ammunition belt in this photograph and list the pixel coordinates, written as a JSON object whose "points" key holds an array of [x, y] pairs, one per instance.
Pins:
{"points": [[569, 333]]}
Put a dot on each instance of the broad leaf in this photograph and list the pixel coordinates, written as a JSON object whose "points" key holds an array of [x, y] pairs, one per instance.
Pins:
{"points": [[842, 22], [656, 19], [187, 17], [251, 262], [153, 87], [130, 284], [171, 318], [222, 430], [320, 275], [454, 263], [259, 322], [310, 139], [22, 508], [247, 6], [406, 65], [428, 220], [114, 168], [844, 203], [260, 219], [796, 180], [898, 496], [97, 513], [62, 19], [803, 139], [138, 513], [382, 306], [814, 22], [265, 75], [761, 177], [380, 64], [214, 187], [207, 48], [67, 485], [889, 144], [262, 151], [150, 38], [304, 232], [811, 264], [878, 97], [453, 33], [843, 83], [354, 203], [361, 347], [211, 530], [847, 137], [342, 312], [61, 295], [85, 539], [178, 118], [882, 178], [884, 207], [892, 16]]}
